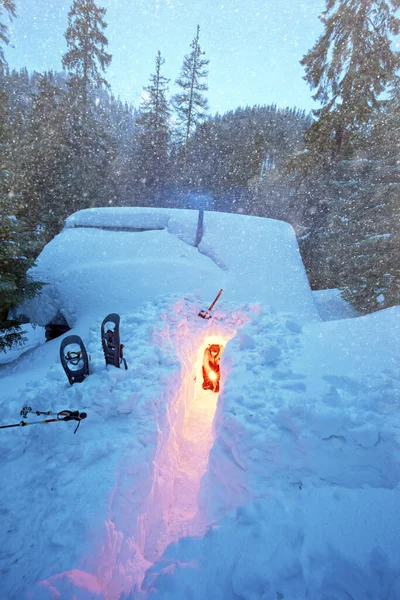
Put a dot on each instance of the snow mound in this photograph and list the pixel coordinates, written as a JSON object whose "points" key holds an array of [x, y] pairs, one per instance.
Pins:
{"points": [[331, 306], [33, 336], [180, 222], [353, 349], [109, 259]]}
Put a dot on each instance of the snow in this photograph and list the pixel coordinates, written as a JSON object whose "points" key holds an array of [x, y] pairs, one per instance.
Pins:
{"points": [[252, 259], [331, 306], [283, 486], [34, 336]]}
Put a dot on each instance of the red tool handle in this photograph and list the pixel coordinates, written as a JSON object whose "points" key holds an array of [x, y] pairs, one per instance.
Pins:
{"points": [[218, 295]]}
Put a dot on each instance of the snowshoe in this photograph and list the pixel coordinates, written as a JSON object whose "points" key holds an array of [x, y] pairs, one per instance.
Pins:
{"points": [[74, 359], [112, 348]]}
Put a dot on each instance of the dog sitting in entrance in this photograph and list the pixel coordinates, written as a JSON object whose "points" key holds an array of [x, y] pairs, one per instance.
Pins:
{"points": [[211, 367]]}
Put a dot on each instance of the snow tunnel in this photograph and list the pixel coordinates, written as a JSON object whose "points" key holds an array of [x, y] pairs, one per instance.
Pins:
{"points": [[56, 327]]}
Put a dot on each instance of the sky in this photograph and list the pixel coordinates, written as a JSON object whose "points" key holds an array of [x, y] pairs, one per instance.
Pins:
{"points": [[254, 46]]}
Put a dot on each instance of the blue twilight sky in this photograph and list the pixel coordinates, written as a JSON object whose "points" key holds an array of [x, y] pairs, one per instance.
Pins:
{"points": [[254, 46]]}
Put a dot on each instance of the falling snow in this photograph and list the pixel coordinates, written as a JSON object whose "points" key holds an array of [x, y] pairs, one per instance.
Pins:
{"points": [[168, 487]]}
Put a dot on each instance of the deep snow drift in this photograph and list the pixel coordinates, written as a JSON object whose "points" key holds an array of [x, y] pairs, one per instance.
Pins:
{"points": [[285, 485], [151, 251]]}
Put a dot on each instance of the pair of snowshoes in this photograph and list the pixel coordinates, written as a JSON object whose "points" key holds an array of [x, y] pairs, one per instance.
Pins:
{"points": [[74, 357]]}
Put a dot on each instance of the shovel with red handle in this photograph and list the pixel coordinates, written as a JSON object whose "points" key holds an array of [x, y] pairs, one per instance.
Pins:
{"points": [[205, 314]]}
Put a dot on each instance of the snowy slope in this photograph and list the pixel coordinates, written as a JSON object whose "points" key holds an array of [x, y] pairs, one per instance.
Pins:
{"points": [[284, 486]]}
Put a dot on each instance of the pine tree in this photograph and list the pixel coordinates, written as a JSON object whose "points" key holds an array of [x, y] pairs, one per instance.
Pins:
{"points": [[85, 61], [154, 136], [235, 152], [382, 137], [121, 183], [8, 6], [350, 66], [371, 230], [86, 57], [44, 161], [17, 250], [190, 104], [16, 257]]}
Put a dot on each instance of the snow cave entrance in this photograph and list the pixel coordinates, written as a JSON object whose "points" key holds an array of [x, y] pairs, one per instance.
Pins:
{"points": [[183, 458]]}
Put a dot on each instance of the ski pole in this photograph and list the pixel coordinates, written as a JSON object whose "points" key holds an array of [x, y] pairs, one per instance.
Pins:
{"points": [[25, 410], [63, 415]]}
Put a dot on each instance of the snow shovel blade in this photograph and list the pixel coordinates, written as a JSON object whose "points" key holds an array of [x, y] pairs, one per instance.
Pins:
{"points": [[204, 314]]}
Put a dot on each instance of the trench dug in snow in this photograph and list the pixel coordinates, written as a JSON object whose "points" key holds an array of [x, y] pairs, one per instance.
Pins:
{"points": [[154, 505], [168, 505], [182, 459]]}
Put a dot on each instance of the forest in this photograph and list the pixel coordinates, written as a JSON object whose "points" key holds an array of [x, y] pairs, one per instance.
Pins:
{"points": [[67, 144]]}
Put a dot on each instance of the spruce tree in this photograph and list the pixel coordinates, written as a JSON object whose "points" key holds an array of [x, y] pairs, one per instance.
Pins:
{"points": [[154, 133], [85, 61], [350, 66], [16, 257], [44, 160], [371, 231], [190, 104], [86, 57], [121, 183], [17, 249], [9, 7], [238, 156]]}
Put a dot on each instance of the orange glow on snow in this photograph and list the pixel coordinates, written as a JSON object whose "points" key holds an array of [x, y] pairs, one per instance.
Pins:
{"points": [[185, 456], [82, 580], [173, 481], [195, 444]]}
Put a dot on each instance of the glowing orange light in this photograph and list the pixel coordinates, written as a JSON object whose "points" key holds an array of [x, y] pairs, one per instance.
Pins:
{"points": [[212, 375]]}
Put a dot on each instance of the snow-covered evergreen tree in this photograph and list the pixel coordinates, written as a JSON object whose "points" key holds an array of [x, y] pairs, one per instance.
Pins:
{"points": [[86, 58], [9, 7], [231, 155], [190, 103], [350, 66], [371, 279], [154, 134], [339, 191], [17, 248], [122, 129], [44, 161], [85, 61], [16, 257]]}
